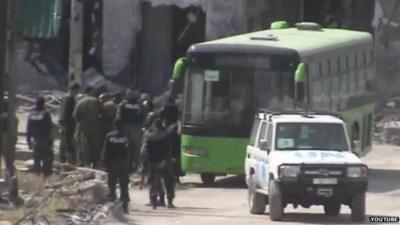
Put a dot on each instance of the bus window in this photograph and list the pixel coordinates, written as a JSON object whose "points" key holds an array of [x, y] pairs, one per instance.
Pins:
{"points": [[329, 67], [195, 104], [325, 67], [343, 63], [262, 89], [351, 75], [229, 97], [320, 69], [282, 91], [317, 93]]}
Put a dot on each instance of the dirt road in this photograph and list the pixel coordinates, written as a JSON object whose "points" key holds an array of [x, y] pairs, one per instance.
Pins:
{"points": [[226, 202]]}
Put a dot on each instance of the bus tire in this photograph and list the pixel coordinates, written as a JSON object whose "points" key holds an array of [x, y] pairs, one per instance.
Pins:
{"points": [[207, 178], [256, 200], [275, 202], [358, 207]]}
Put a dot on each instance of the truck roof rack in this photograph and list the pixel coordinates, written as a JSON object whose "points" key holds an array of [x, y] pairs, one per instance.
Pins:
{"points": [[303, 112]]}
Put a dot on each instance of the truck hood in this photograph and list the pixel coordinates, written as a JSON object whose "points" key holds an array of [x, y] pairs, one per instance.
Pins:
{"points": [[313, 157]]}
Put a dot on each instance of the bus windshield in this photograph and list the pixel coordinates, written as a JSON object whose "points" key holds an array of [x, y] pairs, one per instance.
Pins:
{"points": [[311, 136], [229, 97]]}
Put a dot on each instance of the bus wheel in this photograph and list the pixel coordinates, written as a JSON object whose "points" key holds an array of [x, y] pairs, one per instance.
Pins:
{"points": [[207, 178]]}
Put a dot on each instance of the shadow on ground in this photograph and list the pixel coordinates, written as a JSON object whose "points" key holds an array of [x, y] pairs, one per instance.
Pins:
{"points": [[382, 180], [320, 218], [231, 182]]}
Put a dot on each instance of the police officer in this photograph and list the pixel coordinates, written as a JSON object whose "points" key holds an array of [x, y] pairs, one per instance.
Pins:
{"points": [[146, 103], [118, 160], [170, 114], [67, 123], [130, 114], [158, 157], [39, 138], [149, 121], [88, 113]]}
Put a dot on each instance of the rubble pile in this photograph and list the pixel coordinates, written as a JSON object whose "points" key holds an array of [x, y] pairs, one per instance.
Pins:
{"points": [[74, 196], [387, 125]]}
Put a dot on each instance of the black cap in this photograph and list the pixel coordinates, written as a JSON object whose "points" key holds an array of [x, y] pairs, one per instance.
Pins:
{"points": [[74, 87], [40, 102]]}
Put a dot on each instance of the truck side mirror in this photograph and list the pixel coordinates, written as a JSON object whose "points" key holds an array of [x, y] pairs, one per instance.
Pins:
{"points": [[264, 145]]}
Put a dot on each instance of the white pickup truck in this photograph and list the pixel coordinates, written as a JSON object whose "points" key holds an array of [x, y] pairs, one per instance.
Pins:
{"points": [[303, 159]]}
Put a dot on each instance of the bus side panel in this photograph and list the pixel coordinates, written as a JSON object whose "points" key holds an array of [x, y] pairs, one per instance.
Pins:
{"points": [[364, 117], [222, 155]]}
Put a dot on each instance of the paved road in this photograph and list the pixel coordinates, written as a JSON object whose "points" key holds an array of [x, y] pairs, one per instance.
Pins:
{"points": [[226, 202]]}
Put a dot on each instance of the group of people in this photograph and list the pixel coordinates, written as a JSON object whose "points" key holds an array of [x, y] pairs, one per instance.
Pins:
{"points": [[117, 133]]}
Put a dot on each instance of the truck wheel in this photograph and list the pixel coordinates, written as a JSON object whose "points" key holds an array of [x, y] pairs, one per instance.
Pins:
{"points": [[256, 200], [332, 209], [275, 202], [358, 207], [207, 178]]}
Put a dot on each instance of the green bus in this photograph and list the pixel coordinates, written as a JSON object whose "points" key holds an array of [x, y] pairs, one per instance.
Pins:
{"points": [[226, 81]]}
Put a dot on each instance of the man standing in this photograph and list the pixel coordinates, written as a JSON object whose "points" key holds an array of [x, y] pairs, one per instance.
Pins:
{"points": [[67, 123], [109, 112], [88, 113], [118, 163], [170, 114], [39, 129], [158, 157], [130, 114]]}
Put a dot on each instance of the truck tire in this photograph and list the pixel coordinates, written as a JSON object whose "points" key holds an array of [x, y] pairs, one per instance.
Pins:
{"points": [[275, 202], [207, 178], [256, 200], [358, 207], [332, 209]]}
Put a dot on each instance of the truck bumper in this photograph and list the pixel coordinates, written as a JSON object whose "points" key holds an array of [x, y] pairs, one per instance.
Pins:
{"points": [[305, 193]]}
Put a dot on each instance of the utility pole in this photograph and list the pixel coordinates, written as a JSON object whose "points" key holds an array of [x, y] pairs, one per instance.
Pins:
{"points": [[3, 51], [10, 85], [76, 42]]}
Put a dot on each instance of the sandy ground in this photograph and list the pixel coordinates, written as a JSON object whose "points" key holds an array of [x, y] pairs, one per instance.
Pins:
{"points": [[226, 202]]}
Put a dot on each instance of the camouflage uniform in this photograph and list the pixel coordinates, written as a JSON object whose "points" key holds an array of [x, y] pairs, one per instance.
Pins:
{"points": [[87, 114]]}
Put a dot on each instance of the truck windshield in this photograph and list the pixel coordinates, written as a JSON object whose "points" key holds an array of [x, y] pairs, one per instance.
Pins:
{"points": [[311, 136]]}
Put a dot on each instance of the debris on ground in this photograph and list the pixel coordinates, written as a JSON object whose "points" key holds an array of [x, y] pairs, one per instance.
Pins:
{"points": [[387, 124], [72, 196]]}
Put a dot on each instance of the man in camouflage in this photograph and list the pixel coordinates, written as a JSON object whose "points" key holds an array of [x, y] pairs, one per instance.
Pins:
{"points": [[88, 113]]}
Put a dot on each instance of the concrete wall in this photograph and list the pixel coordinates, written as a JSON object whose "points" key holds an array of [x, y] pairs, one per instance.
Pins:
{"points": [[387, 46], [225, 18], [155, 48], [121, 23]]}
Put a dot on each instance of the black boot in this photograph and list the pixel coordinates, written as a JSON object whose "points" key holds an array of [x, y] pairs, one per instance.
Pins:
{"points": [[111, 197], [171, 204], [154, 202], [161, 201]]}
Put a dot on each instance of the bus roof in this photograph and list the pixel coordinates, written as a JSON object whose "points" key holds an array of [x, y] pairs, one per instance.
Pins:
{"points": [[305, 42]]}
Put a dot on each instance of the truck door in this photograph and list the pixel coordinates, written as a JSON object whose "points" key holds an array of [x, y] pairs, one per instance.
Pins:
{"points": [[262, 156], [250, 162]]}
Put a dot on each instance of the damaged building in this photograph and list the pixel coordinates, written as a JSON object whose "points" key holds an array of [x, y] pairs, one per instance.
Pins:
{"points": [[135, 42]]}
